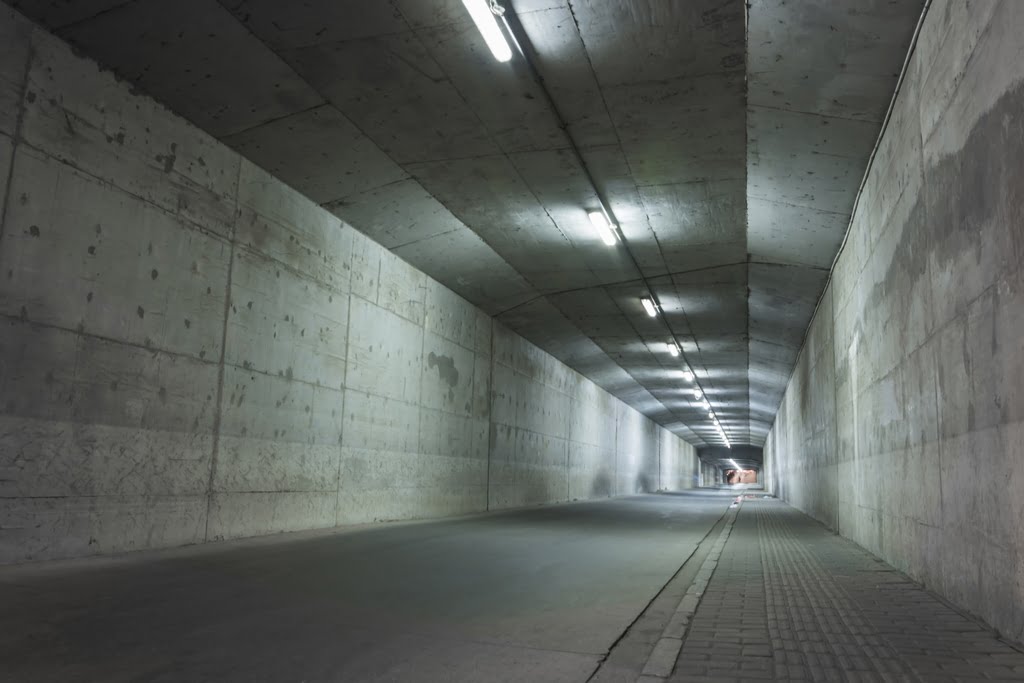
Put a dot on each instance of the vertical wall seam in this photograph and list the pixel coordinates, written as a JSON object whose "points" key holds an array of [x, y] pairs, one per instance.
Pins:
{"points": [[419, 453], [16, 134], [490, 418], [615, 454], [659, 462], [344, 379], [835, 401], [218, 408]]}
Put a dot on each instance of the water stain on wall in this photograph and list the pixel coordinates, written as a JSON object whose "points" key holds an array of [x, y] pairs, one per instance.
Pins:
{"points": [[445, 368]]}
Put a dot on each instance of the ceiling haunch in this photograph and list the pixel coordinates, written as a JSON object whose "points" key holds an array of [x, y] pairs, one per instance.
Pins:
{"points": [[730, 148]]}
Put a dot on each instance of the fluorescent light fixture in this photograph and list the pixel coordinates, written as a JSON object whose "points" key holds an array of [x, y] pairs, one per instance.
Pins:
{"points": [[687, 375], [711, 415], [483, 17], [605, 229], [696, 393], [672, 348], [649, 307]]}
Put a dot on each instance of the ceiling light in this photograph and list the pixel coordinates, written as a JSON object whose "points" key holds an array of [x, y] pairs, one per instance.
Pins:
{"points": [[687, 375], [605, 229], [483, 17], [696, 392], [711, 415], [649, 307], [672, 348]]}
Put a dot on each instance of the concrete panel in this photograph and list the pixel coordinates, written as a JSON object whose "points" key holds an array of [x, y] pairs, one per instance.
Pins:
{"points": [[448, 380], [15, 33], [847, 55], [451, 317], [346, 161], [256, 513], [529, 469], [392, 89], [569, 78], [926, 313], [87, 118], [6, 157], [57, 14], [193, 351], [222, 96], [116, 427], [591, 471], [398, 214], [489, 193], [277, 434], [455, 436], [379, 423], [123, 422], [317, 22], [402, 288], [72, 526], [517, 117], [81, 255], [467, 265], [384, 353], [949, 40], [429, 486], [283, 324], [365, 265], [774, 226], [276, 221]]}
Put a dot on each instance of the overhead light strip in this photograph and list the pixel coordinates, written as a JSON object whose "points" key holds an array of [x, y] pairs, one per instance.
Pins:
{"points": [[483, 14], [604, 227], [520, 40], [649, 306]]}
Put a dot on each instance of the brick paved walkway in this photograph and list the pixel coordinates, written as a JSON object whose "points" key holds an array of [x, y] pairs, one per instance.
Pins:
{"points": [[791, 601]]}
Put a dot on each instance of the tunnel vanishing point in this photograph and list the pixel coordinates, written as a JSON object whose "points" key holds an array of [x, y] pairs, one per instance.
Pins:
{"points": [[511, 340]]}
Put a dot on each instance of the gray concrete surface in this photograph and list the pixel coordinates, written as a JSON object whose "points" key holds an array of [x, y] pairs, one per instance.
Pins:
{"points": [[729, 138], [901, 427], [790, 601], [193, 351], [538, 595]]}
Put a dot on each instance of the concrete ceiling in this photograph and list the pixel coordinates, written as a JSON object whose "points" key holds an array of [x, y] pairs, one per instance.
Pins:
{"points": [[730, 149]]}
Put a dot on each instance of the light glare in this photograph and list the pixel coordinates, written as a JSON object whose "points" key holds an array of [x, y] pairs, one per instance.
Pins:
{"points": [[480, 11], [605, 229]]}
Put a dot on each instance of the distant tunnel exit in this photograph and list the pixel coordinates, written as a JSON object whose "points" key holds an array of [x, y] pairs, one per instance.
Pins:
{"points": [[733, 465], [741, 476]]}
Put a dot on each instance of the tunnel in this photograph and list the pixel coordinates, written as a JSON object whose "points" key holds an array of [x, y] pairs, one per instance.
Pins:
{"points": [[511, 340]]}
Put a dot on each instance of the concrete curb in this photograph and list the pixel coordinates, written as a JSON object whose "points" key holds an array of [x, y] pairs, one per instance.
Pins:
{"points": [[662, 660]]}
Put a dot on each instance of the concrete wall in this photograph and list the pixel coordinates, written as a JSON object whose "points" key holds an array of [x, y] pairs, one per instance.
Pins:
{"points": [[191, 351], [557, 436], [709, 474], [902, 425]]}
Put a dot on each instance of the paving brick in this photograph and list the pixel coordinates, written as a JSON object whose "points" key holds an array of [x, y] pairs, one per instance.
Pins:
{"points": [[790, 601]]}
